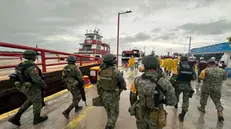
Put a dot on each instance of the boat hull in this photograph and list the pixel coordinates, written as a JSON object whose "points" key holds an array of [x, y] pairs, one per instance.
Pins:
{"points": [[11, 98]]}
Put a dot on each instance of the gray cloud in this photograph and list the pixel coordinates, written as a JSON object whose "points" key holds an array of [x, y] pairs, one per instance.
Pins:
{"points": [[156, 6], [136, 38], [130, 39], [166, 36], [32, 21], [156, 30], [212, 28]]}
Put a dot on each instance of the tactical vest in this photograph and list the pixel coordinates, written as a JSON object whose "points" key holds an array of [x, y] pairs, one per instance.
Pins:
{"points": [[185, 73], [108, 79], [150, 93], [21, 68], [69, 78]]}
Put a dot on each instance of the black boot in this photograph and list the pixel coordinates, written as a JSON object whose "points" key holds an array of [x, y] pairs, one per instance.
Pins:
{"points": [[78, 108], [15, 120], [220, 116], [109, 127], [66, 114], [181, 116], [38, 118]]}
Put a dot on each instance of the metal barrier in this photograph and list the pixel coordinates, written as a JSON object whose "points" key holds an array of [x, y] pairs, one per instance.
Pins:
{"points": [[42, 53]]}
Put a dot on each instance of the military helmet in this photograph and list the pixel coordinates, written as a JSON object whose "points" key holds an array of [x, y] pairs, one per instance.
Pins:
{"points": [[71, 59], [29, 54], [109, 59], [150, 62], [184, 59], [211, 61]]}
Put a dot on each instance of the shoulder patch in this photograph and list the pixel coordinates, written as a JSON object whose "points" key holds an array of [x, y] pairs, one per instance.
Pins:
{"points": [[35, 70]]}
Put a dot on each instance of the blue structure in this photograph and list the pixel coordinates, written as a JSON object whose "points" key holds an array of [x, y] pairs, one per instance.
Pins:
{"points": [[216, 48], [220, 48]]}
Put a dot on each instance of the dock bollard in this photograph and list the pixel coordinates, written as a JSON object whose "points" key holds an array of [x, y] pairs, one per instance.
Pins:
{"points": [[87, 81]]}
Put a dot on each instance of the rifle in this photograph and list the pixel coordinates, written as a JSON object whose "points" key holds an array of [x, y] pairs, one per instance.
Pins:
{"points": [[43, 91], [82, 91], [81, 88]]}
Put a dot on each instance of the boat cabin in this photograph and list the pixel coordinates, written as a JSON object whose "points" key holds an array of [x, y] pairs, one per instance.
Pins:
{"points": [[93, 45]]}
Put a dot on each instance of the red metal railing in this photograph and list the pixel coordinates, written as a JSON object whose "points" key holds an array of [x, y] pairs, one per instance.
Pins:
{"points": [[43, 56]]}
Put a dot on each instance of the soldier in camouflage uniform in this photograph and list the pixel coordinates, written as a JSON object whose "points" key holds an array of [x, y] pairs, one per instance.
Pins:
{"points": [[213, 78], [30, 84], [151, 88], [186, 74], [110, 84], [73, 79]]}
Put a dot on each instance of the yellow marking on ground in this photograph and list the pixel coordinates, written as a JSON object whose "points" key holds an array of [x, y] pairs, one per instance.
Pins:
{"points": [[74, 123], [55, 95], [7, 114]]}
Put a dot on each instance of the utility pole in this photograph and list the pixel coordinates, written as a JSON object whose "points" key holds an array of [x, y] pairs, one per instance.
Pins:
{"points": [[118, 27], [144, 50], [189, 45]]}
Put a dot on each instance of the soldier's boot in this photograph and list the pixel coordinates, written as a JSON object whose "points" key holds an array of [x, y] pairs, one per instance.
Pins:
{"points": [[78, 108], [68, 110], [39, 119], [182, 115], [201, 108], [15, 119], [66, 114], [109, 127], [220, 116]]}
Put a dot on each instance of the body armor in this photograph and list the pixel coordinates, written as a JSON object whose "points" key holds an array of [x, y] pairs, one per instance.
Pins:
{"points": [[108, 79], [185, 73]]}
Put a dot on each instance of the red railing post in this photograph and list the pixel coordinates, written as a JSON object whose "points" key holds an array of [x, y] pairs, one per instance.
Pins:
{"points": [[20, 57], [80, 61], [43, 58]]}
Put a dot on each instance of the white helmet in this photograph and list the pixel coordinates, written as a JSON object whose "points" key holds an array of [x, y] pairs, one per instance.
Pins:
{"points": [[201, 58], [213, 58]]}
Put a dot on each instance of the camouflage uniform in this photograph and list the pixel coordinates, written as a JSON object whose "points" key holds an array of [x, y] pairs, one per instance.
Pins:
{"points": [[213, 78], [73, 79], [145, 89], [184, 86], [110, 84], [30, 84]]}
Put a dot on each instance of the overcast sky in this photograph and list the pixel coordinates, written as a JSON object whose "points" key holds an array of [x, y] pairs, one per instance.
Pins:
{"points": [[160, 25]]}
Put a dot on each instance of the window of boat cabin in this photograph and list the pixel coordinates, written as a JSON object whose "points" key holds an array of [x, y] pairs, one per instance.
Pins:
{"points": [[98, 47], [87, 47], [90, 37], [135, 53]]}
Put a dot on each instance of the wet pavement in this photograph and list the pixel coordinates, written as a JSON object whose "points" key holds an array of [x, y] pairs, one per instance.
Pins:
{"points": [[95, 117]]}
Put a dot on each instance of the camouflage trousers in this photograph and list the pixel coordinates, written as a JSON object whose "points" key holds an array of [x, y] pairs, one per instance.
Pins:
{"points": [[185, 89], [143, 120], [215, 96], [110, 101], [34, 99], [76, 95]]}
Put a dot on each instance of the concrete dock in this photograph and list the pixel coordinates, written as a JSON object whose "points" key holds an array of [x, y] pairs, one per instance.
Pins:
{"points": [[95, 117]]}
